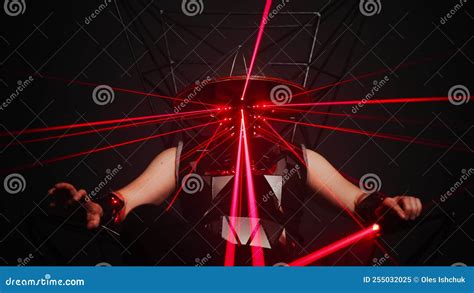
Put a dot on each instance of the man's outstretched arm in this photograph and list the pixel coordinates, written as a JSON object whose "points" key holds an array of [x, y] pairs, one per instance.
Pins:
{"points": [[153, 186], [327, 181]]}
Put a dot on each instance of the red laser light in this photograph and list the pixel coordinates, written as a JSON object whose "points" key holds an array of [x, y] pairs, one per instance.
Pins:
{"points": [[105, 122], [367, 102], [173, 200], [257, 252], [338, 245], [376, 134], [261, 28], [118, 89], [96, 150], [229, 259]]}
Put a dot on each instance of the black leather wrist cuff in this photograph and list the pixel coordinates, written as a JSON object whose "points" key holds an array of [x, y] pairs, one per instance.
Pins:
{"points": [[113, 208], [366, 208]]}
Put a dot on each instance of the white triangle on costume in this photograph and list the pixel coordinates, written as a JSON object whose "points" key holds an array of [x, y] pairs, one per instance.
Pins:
{"points": [[218, 183], [276, 183]]}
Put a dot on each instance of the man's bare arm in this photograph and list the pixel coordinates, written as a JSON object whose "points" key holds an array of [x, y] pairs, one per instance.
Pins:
{"points": [[154, 185], [327, 181]]}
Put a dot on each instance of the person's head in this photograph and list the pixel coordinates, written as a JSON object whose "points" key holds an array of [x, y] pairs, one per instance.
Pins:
{"points": [[224, 100]]}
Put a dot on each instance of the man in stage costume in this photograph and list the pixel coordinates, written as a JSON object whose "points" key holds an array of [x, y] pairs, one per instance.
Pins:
{"points": [[195, 198]]}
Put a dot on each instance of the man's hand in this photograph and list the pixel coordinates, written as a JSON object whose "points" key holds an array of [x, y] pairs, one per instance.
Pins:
{"points": [[406, 207], [66, 194]]}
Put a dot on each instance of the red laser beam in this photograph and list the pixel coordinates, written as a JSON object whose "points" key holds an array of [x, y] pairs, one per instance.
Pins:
{"points": [[257, 251], [203, 144], [320, 88], [342, 205], [338, 245], [96, 150], [110, 128], [272, 138], [229, 259], [364, 76], [118, 89], [173, 200], [104, 122], [212, 148], [354, 116], [289, 147], [392, 137], [266, 11], [366, 102], [276, 140], [354, 217]]}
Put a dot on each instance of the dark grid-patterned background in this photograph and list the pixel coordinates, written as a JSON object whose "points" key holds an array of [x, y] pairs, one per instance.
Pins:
{"points": [[152, 46]]}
